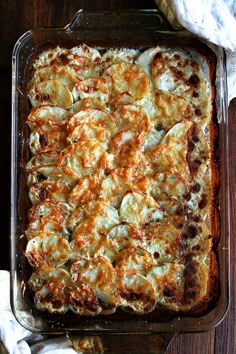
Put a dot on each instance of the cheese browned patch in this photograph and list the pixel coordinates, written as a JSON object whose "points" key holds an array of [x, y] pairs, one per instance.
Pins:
{"points": [[126, 77], [179, 73], [50, 92]]}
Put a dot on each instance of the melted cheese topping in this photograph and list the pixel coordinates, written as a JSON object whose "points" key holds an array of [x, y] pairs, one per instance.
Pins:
{"points": [[85, 157], [50, 92], [119, 181], [137, 293], [68, 76], [191, 83], [112, 56], [91, 123], [125, 77], [97, 88]]}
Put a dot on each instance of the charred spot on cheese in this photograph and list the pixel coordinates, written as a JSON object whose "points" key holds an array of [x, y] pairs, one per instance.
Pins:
{"points": [[43, 139], [191, 287], [194, 80], [198, 150], [198, 241], [136, 292], [196, 188], [192, 231], [202, 203], [48, 190], [198, 112], [83, 301]]}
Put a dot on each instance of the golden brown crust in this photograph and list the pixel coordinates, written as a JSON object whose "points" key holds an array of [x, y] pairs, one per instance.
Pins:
{"points": [[123, 182]]}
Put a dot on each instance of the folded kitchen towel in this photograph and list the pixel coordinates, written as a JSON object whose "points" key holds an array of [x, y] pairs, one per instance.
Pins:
{"points": [[214, 20], [18, 340]]}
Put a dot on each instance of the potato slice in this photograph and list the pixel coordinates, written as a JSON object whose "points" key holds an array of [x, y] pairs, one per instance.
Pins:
{"points": [[84, 301], [51, 250], [126, 77], [65, 74], [91, 123], [85, 157], [163, 241], [99, 217], [50, 92], [179, 73], [137, 293], [168, 282], [96, 88], [139, 209]]}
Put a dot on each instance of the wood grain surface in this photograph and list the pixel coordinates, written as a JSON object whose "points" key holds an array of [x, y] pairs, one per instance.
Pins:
{"points": [[16, 17]]}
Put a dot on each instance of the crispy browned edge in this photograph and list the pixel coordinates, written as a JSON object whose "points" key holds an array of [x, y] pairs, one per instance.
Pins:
{"points": [[209, 301]]}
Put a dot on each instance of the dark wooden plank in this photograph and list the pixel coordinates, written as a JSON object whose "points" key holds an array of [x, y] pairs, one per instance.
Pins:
{"points": [[194, 343], [225, 340]]}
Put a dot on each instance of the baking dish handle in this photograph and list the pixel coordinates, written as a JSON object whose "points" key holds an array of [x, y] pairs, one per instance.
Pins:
{"points": [[153, 343], [147, 18]]}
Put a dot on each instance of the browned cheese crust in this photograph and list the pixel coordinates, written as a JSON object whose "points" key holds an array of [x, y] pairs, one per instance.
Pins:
{"points": [[122, 180]]}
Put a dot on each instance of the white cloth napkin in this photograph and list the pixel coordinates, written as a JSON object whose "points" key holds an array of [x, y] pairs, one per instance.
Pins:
{"points": [[17, 339], [214, 20]]}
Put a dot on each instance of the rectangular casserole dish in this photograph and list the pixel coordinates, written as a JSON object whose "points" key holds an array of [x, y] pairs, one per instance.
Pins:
{"points": [[130, 29]]}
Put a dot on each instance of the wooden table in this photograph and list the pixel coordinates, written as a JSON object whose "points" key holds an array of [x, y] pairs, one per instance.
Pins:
{"points": [[16, 17]]}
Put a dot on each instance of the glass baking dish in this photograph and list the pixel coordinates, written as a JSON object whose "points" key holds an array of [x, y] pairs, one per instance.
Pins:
{"points": [[139, 28]]}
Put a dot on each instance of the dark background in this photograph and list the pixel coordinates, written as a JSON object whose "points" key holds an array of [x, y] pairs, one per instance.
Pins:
{"points": [[16, 17]]}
